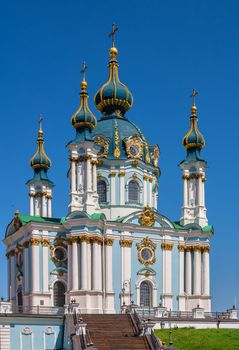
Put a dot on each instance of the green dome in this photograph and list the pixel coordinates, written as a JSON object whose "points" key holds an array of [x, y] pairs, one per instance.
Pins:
{"points": [[40, 160], [113, 96]]}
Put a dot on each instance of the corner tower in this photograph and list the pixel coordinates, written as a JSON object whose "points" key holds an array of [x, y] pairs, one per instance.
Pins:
{"points": [[40, 187], [193, 168]]}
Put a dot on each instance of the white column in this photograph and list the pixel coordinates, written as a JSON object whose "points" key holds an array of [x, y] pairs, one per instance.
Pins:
{"points": [[45, 265], [13, 275], [89, 265], [31, 204], [112, 188], [150, 192], [122, 187], [188, 271], [35, 265], [145, 190], [75, 281], [108, 265], [89, 174], [126, 245], [100, 265], [69, 265], [181, 269], [168, 272], [197, 271], [49, 206], [185, 190], [200, 190], [94, 180], [26, 266], [95, 258], [43, 205], [206, 271], [73, 174], [8, 277], [84, 262]]}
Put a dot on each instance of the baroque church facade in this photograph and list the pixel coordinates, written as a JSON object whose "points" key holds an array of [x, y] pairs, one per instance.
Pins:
{"points": [[113, 246]]}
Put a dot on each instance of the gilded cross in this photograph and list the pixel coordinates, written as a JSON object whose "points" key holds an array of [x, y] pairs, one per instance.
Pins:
{"points": [[112, 34], [40, 121], [193, 96], [83, 70]]}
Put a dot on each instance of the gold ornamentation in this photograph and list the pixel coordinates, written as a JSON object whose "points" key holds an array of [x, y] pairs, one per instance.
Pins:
{"points": [[156, 156], [73, 239], [135, 163], [157, 173], [96, 239], [134, 176], [112, 173], [32, 194], [197, 248], [109, 241], [205, 249], [134, 141], [189, 248], [94, 162], [48, 196], [167, 246], [84, 239], [117, 149], [10, 253], [181, 247], [73, 158], [104, 143], [16, 221], [126, 243], [147, 156], [150, 179], [45, 242], [146, 244], [54, 258], [35, 241], [145, 177], [26, 244], [147, 218], [185, 177], [121, 173]]}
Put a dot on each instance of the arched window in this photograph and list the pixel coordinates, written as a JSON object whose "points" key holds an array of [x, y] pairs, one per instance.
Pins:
{"points": [[133, 192], [19, 299], [59, 294], [145, 294], [101, 190]]}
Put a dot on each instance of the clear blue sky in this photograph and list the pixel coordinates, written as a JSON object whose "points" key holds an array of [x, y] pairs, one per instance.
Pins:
{"points": [[166, 48]]}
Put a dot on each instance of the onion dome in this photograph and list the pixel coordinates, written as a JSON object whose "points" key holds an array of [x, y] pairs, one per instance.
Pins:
{"points": [[40, 160], [113, 97], [83, 118], [193, 139]]}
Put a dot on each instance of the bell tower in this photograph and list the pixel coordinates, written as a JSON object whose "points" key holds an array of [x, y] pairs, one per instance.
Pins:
{"points": [[193, 168]]}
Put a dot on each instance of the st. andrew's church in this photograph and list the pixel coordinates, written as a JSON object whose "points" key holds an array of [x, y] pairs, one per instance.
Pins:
{"points": [[112, 246]]}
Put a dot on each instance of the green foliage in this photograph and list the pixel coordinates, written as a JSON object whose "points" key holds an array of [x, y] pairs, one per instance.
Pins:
{"points": [[201, 339]]}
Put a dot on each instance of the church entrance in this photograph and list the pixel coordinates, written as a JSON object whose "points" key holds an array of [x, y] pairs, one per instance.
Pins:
{"points": [[59, 294], [145, 294]]}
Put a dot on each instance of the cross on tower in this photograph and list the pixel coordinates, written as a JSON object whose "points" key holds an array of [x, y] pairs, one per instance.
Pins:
{"points": [[40, 121], [83, 70], [193, 96], [112, 34]]}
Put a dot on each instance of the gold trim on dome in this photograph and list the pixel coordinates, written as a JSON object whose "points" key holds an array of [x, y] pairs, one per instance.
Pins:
{"points": [[156, 156], [126, 243], [134, 140], [147, 218], [146, 243], [104, 143], [117, 149], [40, 150], [167, 246]]}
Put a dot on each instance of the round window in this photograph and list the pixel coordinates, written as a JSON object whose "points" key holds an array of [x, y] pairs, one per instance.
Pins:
{"points": [[146, 254], [60, 253]]}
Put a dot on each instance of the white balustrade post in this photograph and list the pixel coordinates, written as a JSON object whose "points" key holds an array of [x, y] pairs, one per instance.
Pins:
{"points": [[75, 279], [197, 271]]}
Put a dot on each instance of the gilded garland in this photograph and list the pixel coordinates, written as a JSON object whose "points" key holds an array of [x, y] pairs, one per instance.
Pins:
{"points": [[117, 149], [134, 147], [104, 145]]}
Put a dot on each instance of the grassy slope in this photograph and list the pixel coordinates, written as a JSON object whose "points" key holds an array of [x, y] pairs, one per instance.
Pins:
{"points": [[203, 339]]}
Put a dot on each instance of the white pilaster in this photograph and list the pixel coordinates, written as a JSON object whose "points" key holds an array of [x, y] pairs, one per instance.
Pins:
{"points": [[112, 188], [145, 178], [31, 204], [89, 265], [84, 263], [75, 274], [95, 271], [13, 275], [73, 174], [150, 192], [181, 269], [197, 271], [35, 265], [94, 175], [26, 267], [188, 271], [69, 265], [126, 246], [88, 174], [122, 187], [167, 275], [49, 206], [44, 208], [108, 266]]}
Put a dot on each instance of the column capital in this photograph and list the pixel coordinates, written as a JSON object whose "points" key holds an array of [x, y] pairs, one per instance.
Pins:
{"points": [[145, 177], [73, 239], [96, 239], [26, 244], [84, 238], [10, 253], [150, 179], [112, 173], [205, 249], [181, 247], [94, 162], [108, 241], [35, 241], [167, 246], [121, 173], [188, 248], [126, 243], [45, 242], [196, 248], [73, 158]]}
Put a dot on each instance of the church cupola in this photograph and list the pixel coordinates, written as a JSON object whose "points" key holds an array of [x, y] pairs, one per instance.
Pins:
{"points": [[113, 97], [83, 120], [194, 167], [40, 187]]}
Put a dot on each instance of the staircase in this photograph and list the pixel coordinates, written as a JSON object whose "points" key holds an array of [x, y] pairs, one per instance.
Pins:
{"points": [[114, 332]]}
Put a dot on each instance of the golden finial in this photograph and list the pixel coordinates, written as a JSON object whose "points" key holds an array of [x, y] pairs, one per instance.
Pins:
{"points": [[193, 96], [84, 83], [40, 132], [112, 34]]}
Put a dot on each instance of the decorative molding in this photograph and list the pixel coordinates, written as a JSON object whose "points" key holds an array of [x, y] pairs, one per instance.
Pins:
{"points": [[146, 244], [104, 143], [96, 239], [35, 241], [134, 176], [205, 249], [145, 177], [108, 241], [10, 253], [150, 179], [126, 243], [181, 247], [117, 149], [156, 156], [147, 218], [112, 173], [84, 238], [45, 242], [134, 142], [121, 173], [135, 163]]}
